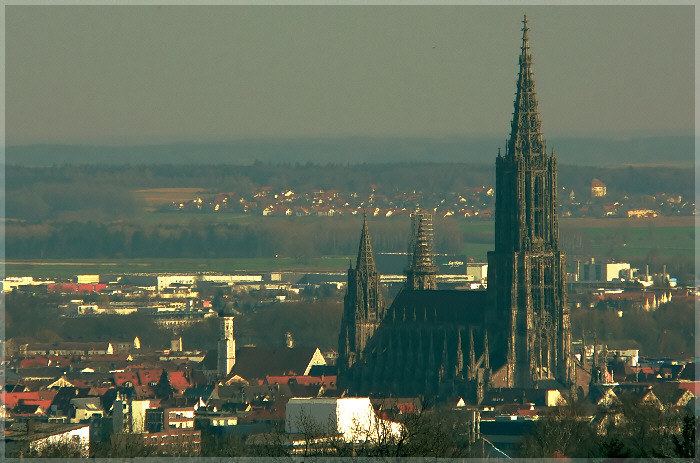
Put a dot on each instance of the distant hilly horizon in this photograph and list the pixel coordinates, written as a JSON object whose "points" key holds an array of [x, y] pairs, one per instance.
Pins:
{"points": [[584, 151]]}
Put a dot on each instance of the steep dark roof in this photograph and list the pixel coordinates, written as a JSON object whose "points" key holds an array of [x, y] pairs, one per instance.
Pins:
{"points": [[195, 392], [443, 306], [323, 370], [65, 394], [597, 392], [668, 393], [688, 372], [209, 360], [424, 345], [259, 362], [42, 372]]}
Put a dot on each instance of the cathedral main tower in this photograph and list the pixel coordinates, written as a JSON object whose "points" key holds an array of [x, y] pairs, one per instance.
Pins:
{"points": [[527, 272]]}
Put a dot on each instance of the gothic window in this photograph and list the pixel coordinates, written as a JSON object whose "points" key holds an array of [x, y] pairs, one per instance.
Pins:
{"points": [[548, 275], [539, 207]]}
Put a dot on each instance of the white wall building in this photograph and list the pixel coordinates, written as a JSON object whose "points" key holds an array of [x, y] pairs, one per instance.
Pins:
{"points": [[79, 435]]}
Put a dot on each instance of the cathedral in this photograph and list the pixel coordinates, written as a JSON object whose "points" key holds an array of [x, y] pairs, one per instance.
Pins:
{"points": [[445, 343]]}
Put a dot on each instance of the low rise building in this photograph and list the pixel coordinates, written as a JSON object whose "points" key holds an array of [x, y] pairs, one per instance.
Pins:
{"points": [[36, 437]]}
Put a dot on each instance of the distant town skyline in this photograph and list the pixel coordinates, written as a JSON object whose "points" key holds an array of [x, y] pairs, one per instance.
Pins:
{"points": [[142, 74]]}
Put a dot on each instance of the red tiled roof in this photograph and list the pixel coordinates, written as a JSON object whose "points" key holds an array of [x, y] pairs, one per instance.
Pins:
{"points": [[178, 380], [144, 392], [81, 383], [122, 377], [147, 376], [646, 370], [98, 391], [44, 404], [406, 407], [692, 386], [11, 399], [36, 361]]}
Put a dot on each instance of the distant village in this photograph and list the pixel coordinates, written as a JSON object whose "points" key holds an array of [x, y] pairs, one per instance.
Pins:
{"points": [[98, 393], [475, 202]]}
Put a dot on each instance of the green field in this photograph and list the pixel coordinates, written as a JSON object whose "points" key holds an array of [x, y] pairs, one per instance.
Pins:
{"points": [[633, 238], [663, 237], [183, 218], [621, 238]]}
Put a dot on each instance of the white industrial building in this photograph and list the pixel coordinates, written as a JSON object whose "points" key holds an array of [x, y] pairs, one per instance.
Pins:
{"points": [[352, 418], [231, 279], [600, 272], [477, 271]]}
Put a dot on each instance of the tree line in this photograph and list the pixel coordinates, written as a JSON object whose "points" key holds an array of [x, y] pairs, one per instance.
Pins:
{"points": [[297, 237], [633, 430], [667, 331], [38, 318], [642, 431]]}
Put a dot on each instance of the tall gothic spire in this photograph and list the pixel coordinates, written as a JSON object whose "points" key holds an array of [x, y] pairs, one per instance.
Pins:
{"points": [[365, 256], [526, 128]]}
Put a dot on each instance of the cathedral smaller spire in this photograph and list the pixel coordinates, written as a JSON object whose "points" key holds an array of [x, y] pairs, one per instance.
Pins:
{"points": [[365, 256], [423, 251], [421, 272]]}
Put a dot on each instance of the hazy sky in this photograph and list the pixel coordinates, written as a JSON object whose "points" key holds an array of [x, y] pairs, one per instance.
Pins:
{"points": [[132, 74]]}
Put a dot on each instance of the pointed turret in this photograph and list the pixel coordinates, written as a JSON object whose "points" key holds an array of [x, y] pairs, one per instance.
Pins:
{"points": [[459, 355], [472, 354], [526, 128], [487, 361]]}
